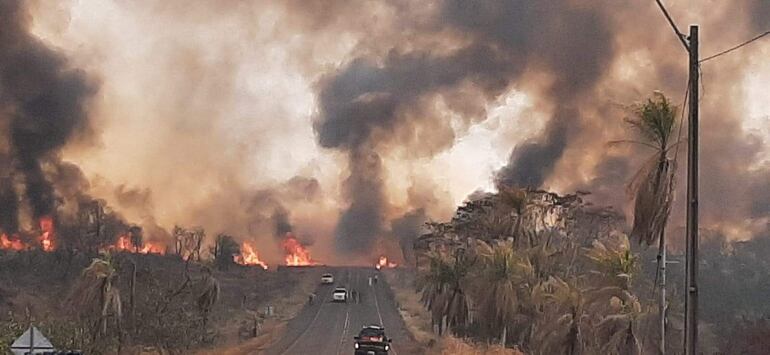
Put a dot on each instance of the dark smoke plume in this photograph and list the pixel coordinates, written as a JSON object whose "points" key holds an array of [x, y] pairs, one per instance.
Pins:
{"points": [[42, 106], [281, 224], [362, 222], [8, 206], [364, 105], [267, 209], [759, 11], [531, 163], [572, 42], [407, 228]]}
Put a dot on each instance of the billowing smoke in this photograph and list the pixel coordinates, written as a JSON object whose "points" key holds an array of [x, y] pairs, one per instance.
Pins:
{"points": [[407, 228], [531, 163], [42, 107], [363, 102], [759, 12], [571, 43], [8, 206], [364, 106], [267, 211], [390, 86]]}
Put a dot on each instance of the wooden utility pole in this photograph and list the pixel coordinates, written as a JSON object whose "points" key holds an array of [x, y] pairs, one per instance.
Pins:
{"points": [[691, 303], [662, 304]]}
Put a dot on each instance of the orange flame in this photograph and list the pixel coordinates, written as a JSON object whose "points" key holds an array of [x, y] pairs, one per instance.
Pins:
{"points": [[296, 254], [125, 244], [47, 237], [249, 256], [11, 243], [383, 262]]}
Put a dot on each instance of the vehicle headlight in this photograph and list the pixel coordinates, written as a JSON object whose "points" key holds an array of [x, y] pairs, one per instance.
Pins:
{"points": [[387, 347], [355, 345]]}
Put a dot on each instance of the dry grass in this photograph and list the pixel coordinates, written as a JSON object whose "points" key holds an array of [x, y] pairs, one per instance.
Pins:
{"points": [[37, 283], [455, 346], [418, 321], [273, 328]]}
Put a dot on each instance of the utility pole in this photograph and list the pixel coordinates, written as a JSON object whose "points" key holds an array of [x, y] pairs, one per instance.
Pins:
{"points": [[691, 302], [662, 304], [691, 268], [662, 262]]}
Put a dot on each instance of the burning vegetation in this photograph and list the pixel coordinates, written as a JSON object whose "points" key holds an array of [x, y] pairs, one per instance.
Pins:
{"points": [[126, 244], [46, 241], [295, 253], [384, 263], [249, 256]]}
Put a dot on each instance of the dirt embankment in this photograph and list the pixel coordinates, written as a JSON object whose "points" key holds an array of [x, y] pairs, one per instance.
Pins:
{"points": [[418, 320]]}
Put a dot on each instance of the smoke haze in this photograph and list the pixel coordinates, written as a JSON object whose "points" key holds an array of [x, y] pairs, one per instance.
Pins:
{"points": [[338, 120]]}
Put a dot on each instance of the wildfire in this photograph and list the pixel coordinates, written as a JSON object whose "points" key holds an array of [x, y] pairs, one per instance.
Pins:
{"points": [[124, 243], [296, 254], [46, 240], [11, 243], [383, 262], [249, 256], [47, 237]]}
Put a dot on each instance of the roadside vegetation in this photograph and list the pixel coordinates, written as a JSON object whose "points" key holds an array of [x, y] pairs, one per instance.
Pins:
{"points": [[122, 302], [557, 278], [549, 274]]}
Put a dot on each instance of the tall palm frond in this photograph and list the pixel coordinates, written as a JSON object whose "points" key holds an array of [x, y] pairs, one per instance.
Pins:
{"points": [[209, 294], [94, 295], [652, 187], [559, 328], [517, 200], [443, 290], [501, 283], [613, 260]]}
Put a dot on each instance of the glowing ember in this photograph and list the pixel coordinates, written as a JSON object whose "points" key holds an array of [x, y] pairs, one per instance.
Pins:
{"points": [[249, 256], [124, 243], [296, 254], [11, 243], [383, 262], [47, 237]]}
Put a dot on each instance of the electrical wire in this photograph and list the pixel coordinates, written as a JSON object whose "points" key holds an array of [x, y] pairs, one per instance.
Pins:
{"points": [[734, 48], [679, 33]]}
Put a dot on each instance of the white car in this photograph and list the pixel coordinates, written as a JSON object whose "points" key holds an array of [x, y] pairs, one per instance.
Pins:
{"points": [[327, 279], [340, 294]]}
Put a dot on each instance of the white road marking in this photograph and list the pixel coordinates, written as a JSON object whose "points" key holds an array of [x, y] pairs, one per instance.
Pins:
{"points": [[344, 329], [377, 305], [310, 325]]}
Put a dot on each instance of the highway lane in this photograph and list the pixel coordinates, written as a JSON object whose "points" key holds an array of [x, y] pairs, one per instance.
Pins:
{"points": [[325, 327]]}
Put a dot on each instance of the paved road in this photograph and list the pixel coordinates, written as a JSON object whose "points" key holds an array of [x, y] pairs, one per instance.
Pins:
{"points": [[328, 328]]}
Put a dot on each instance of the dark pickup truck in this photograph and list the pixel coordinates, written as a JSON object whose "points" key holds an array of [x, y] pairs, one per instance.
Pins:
{"points": [[372, 341]]}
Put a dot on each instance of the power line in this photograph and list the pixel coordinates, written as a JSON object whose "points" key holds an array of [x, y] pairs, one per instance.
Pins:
{"points": [[679, 34], [734, 48]]}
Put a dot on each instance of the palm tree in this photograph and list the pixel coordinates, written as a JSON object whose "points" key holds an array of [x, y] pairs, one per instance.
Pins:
{"points": [[95, 296], [443, 290], [209, 294], [559, 328], [652, 186], [615, 266], [590, 315], [612, 260], [516, 199], [501, 282]]}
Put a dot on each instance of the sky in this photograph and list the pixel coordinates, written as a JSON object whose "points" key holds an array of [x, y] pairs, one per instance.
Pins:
{"points": [[349, 115]]}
